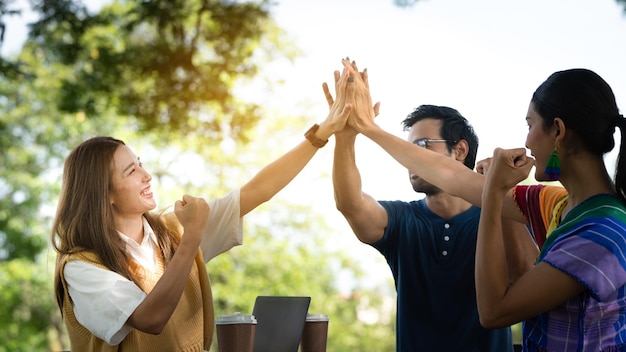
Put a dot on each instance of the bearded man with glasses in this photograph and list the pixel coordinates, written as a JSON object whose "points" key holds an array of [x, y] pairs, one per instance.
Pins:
{"points": [[429, 243]]}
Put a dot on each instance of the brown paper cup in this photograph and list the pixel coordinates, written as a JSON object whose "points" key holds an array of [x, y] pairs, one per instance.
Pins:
{"points": [[235, 333], [315, 333]]}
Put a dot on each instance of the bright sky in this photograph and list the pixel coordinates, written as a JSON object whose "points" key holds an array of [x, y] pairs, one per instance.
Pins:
{"points": [[482, 57]]}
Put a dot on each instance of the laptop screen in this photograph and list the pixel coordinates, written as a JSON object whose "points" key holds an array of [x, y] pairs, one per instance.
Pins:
{"points": [[280, 321]]}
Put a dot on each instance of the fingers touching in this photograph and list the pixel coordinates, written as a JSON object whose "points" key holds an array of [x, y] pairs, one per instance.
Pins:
{"points": [[352, 95]]}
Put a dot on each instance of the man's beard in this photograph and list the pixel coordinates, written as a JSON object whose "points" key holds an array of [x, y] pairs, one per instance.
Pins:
{"points": [[421, 186]]}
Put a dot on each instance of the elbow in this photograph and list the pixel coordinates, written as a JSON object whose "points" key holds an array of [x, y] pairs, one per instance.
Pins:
{"points": [[490, 319], [347, 210], [265, 198], [340, 205], [489, 323], [154, 329], [249, 201], [346, 205], [519, 269], [264, 194]]}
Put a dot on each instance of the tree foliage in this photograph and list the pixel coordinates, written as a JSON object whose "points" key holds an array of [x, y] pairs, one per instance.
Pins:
{"points": [[34, 139], [169, 64], [27, 308]]}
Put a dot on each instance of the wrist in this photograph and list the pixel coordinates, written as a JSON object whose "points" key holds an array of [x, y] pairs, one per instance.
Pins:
{"points": [[190, 243], [317, 136], [347, 135], [370, 130]]}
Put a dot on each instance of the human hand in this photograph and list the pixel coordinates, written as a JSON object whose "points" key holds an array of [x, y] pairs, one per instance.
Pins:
{"points": [[507, 168], [483, 165], [340, 108], [347, 130], [193, 214], [363, 112]]}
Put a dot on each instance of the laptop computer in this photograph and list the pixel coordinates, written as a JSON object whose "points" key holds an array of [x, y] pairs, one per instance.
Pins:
{"points": [[280, 321]]}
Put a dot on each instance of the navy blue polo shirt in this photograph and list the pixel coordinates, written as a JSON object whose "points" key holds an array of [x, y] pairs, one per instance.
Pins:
{"points": [[432, 262]]}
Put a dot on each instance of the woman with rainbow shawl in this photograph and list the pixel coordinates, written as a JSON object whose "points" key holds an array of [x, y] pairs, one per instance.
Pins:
{"points": [[574, 297]]}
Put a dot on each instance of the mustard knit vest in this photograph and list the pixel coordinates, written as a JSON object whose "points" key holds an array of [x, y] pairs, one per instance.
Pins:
{"points": [[190, 327]]}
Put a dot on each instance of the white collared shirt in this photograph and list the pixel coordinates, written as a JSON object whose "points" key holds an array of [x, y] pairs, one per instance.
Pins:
{"points": [[142, 252], [104, 300]]}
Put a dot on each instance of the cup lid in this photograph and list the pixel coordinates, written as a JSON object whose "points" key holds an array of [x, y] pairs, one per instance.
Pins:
{"points": [[316, 317], [236, 318]]}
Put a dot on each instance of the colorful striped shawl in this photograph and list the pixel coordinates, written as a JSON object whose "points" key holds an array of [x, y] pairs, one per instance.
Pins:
{"points": [[589, 245]]}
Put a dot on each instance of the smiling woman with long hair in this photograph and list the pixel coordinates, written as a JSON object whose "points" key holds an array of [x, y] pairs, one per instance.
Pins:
{"points": [[130, 279]]}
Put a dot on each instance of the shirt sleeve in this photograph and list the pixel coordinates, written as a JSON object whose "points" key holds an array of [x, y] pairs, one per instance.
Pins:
{"points": [[225, 227], [103, 300], [536, 203], [593, 254]]}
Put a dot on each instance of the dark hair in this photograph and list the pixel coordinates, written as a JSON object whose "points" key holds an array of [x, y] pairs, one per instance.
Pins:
{"points": [[586, 104], [454, 127]]}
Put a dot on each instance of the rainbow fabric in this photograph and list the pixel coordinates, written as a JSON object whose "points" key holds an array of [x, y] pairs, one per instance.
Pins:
{"points": [[589, 244]]}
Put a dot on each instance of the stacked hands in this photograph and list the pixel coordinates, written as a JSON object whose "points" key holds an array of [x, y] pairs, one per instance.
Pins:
{"points": [[352, 88], [353, 113]]}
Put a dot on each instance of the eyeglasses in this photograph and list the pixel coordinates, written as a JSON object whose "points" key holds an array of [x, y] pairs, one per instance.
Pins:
{"points": [[423, 142]]}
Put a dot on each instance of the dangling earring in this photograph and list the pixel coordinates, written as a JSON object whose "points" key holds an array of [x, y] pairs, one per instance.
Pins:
{"points": [[553, 166]]}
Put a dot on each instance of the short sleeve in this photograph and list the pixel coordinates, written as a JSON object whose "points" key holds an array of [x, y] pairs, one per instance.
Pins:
{"points": [[594, 257], [225, 227], [103, 300], [536, 202]]}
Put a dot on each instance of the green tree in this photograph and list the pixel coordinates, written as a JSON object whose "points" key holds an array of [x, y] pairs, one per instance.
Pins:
{"points": [[30, 146], [27, 309], [34, 138], [171, 65]]}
